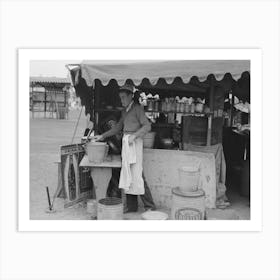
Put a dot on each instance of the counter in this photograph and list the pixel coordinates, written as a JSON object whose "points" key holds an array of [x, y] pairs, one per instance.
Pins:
{"points": [[101, 173], [161, 173]]}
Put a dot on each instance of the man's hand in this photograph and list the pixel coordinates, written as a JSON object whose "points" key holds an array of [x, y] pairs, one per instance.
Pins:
{"points": [[131, 138], [90, 125], [97, 138]]}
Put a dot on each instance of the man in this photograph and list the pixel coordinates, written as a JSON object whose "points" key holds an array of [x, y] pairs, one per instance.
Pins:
{"points": [[134, 125]]}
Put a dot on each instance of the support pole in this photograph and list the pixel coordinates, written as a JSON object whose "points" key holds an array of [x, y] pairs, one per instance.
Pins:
{"points": [[210, 117], [76, 125], [45, 105], [32, 100], [231, 109], [209, 130], [96, 104]]}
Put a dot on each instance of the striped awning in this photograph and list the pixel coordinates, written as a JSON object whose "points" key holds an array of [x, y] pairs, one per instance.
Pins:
{"points": [[155, 70]]}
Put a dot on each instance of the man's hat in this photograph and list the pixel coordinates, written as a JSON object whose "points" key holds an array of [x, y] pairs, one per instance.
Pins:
{"points": [[127, 88]]}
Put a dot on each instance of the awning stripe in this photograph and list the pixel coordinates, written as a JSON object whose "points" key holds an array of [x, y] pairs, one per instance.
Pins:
{"points": [[167, 70]]}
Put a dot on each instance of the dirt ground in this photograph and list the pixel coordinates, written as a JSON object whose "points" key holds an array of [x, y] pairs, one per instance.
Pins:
{"points": [[46, 137]]}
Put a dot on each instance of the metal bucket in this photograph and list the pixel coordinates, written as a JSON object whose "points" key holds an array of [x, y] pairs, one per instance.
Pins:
{"points": [[97, 151], [110, 208], [189, 178], [182, 200]]}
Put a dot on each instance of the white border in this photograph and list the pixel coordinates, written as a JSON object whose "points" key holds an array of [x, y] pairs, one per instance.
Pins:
{"points": [[24, 57]]}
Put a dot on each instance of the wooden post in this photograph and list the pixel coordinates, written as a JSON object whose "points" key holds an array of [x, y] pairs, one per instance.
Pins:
{"points": [[32, 106], [67, 104], [56, 109], [231, 109], [211, 97], [211, 105], [96, 100], [45, 105], [209, 130], [65, 101]]}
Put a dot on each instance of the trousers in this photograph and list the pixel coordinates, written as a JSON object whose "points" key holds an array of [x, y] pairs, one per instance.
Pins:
{"points": [[131, 200], [147, 199]]}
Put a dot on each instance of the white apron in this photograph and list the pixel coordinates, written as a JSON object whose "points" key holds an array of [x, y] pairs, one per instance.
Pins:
{"points": [[131, 179]]}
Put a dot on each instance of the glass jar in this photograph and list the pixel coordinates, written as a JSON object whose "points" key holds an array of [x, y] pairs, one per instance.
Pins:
{"points": [[192, 108], [199, 107], [168, 107], [206, 110], [173, 106], [155, 105], [186, 108], [182, 107], [150, 105], [163, 106]]}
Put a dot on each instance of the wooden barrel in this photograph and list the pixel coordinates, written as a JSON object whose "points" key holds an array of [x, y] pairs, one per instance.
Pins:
{"points": [[182, 199], [110, 208]]}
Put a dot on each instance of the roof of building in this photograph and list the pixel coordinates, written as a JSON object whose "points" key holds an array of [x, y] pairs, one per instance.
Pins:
{"points": [[49, 80]]}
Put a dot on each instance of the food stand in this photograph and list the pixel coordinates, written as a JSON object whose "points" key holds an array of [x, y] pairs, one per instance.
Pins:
{"points": [[184, 101]]}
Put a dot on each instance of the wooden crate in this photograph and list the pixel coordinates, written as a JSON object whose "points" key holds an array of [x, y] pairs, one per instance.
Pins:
{"points": [[194, 130]]}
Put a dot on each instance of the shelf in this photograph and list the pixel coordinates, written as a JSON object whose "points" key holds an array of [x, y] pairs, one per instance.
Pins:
{"points": [[107, 110], [164, 124], [184, 114], [47, 101], [164, 112]]}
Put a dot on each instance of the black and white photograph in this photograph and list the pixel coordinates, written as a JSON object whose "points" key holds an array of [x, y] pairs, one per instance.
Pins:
{"points": [[140, 140]]}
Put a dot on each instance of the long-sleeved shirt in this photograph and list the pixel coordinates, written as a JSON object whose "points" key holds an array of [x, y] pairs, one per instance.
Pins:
{"points": [[133, 121]]}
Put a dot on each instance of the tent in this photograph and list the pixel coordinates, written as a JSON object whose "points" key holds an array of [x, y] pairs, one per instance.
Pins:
{"points": [[167, 70], [216, 79], [194, 76]]}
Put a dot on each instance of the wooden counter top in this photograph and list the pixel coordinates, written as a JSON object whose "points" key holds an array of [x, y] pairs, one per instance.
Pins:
{"points": [[111, 162]]}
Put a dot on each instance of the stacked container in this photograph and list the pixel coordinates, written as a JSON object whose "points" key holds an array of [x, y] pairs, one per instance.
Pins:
{"points": [[188, 196]]}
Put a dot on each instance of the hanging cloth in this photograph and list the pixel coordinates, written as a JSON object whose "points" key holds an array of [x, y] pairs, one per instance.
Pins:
{"points": [[131, 179]]}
